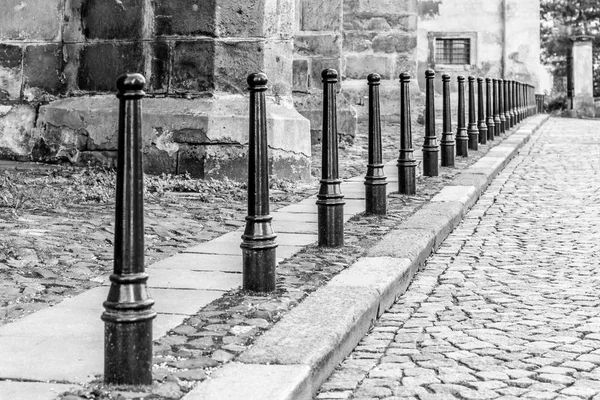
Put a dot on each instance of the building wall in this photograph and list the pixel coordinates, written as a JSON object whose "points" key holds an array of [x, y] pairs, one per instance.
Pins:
{"points": [[496, 28]]}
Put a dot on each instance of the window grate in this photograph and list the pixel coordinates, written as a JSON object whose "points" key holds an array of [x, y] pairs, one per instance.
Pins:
{"points": [[452, 51]]}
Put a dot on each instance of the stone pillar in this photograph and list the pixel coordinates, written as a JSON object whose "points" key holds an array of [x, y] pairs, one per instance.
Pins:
{"points": [[318, 46], [583, 81], [380, 36]]}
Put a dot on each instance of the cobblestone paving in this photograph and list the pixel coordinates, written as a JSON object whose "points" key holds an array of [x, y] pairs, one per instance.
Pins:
{"points": [[508, 306]]}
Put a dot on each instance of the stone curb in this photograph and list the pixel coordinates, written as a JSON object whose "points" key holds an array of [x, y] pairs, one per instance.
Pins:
{"points": [[293, 359]]}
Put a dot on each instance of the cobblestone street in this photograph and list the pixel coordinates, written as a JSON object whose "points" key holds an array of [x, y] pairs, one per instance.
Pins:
{"points": [[508, 306]]}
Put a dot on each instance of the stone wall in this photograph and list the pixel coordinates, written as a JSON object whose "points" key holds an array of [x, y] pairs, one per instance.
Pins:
{"points": [[196, 56], [496, 29]]}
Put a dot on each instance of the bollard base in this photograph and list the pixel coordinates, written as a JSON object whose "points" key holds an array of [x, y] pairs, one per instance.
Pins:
{"points": [[330, 224], [376, 196], [259, 266], [430, 161], [462, 147], [128, 352], [447, 153], [407, 181]]}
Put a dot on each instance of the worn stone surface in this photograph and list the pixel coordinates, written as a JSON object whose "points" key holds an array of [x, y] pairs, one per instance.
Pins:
{"points": [[506, 306], [31, 20]]}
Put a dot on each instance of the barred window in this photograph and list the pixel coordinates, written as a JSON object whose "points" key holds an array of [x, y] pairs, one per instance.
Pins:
{"points": [[452, 51]]}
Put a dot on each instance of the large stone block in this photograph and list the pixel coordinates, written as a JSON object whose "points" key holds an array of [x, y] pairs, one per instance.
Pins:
{"points": [[123, 19], [17, 130], [185, 17], [359, 66], [102, 63], [378, 7], [300, 77], [358, 41], [42, 67], [193, 65], [394, 42], [277, 64], [316, 15], [234, 61], [161, 67], [10, 72], [307, 44], [31, 19]]}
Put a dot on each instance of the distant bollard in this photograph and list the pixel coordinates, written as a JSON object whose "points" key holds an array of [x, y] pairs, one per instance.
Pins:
{"points": [[472, 130], [462, 139], [430, 144], [330, 200], [516, 101], [128, 311], [447, 143], [375, 180], [506, 105], [511, 113], [539, 100], [501, 105], [496, 107], [407, 164], [481, 125], [489, 110], [259, 260]]}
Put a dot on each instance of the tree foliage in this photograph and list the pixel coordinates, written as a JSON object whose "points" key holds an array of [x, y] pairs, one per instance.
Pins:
{"points": [[563, 19]]}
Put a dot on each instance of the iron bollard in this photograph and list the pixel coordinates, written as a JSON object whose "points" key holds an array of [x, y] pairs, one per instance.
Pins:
{"points": [[375, 180], [407, 164], [258, 245], [516, 97], [489, 110], [462, 139], [481, 125], [506, 105], [128, 311], [509, 98], [472, 130], [496, 100], [330, 200], [430, 145], [447, 142], [501, 105]]}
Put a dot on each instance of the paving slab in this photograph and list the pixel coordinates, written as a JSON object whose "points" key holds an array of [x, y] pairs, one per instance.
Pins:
{"points": [[199, 262], [32, 390]]}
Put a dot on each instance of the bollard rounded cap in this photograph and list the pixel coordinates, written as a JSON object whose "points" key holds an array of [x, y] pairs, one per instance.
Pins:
{"points": [[471, 78], [460, 78], [429, 74], [488, 79], [445, 78], [329, 75], [479, 79], [374, 78], [257, 81], [131, 82], [405, 77]]}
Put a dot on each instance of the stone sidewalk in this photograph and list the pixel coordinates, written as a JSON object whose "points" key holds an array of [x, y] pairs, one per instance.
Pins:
{"points": [[184, 283], [507, 307]]}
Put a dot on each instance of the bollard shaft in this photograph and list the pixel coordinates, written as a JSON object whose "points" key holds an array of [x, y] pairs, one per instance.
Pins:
{"points": [[462, 138], [330, 200], [489, 110], [430, 146], [128, 311], [472, 130], [447, 143], [375, 180], [481, 125], [407, 164], [259, 260]]}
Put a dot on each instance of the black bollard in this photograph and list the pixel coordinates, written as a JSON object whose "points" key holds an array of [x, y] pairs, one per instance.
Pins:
{"points": [[462, 139], [489, 110], [128, 311], [259, 260], [481, 125], [330, 200], [447, 142], [516, 101], [506, 105], [472, 130], [511, 96], [407, 164], [501, 105], [496, 101], [430, 145], [375, 181]]}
